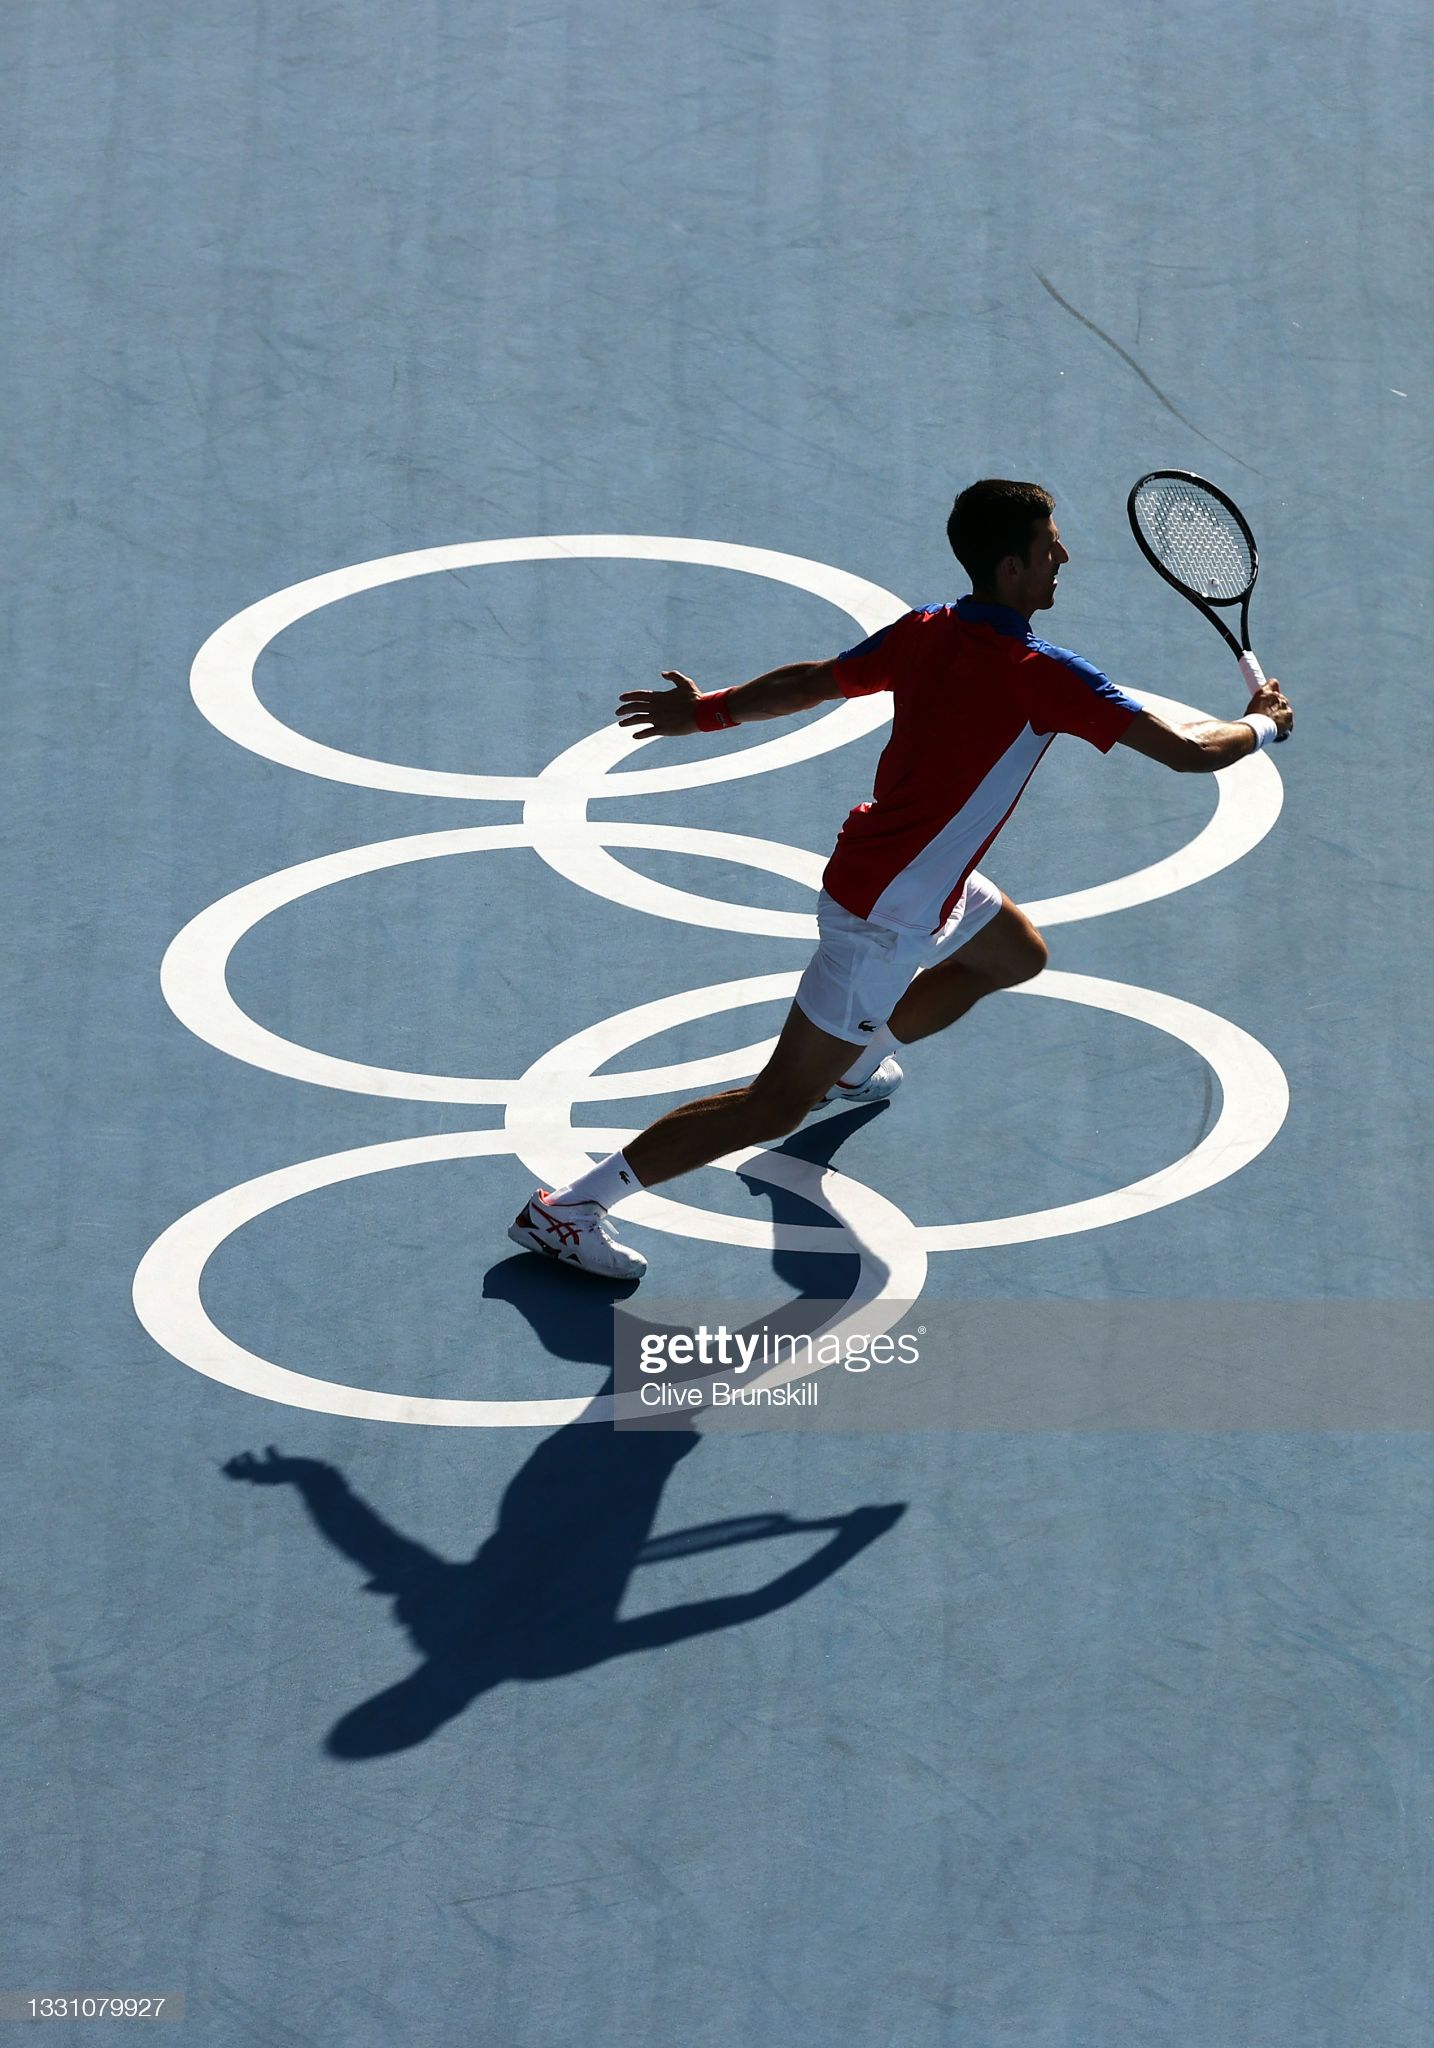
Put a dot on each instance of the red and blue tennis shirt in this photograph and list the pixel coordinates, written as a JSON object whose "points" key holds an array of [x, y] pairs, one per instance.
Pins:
{"points": [[977, 700]]}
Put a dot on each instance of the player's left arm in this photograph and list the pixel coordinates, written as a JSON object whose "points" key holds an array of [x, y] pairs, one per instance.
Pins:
{"points": [[1207, 745], [672, 714]]}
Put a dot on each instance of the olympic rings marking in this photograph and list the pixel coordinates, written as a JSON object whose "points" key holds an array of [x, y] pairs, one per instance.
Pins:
{"points": [[891, 1248]]}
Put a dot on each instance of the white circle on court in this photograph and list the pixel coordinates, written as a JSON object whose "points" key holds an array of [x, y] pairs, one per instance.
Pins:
{"points": [[168, 1302], [222, 677]]}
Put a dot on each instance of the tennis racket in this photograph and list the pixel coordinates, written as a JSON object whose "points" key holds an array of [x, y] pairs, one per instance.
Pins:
{"points": [[1200, 542]]}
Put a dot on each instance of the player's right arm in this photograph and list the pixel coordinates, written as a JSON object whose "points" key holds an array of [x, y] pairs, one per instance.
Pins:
{"points": [[1208, 745], [671, 714]]}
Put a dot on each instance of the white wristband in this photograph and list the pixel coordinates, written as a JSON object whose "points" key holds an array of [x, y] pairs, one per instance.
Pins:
{"points": [[1264, 729]]}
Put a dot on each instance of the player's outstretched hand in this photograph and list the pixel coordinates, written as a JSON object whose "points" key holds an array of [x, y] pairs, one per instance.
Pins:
{"points": [[1272, 700], [661, 714]]}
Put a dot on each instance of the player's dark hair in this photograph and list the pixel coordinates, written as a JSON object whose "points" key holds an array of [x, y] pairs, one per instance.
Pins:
{"points": [[992, 519]]}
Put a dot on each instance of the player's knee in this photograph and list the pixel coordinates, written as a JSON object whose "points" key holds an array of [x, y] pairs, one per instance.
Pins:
{"points": [[1027, 960]]}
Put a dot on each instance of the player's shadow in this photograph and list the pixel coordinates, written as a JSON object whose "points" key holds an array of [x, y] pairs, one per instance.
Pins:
{"points": [[816, 1276], [540, 1598]]}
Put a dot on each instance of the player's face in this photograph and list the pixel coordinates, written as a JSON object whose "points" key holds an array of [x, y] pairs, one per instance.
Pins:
{"points": [[1042, 569]]}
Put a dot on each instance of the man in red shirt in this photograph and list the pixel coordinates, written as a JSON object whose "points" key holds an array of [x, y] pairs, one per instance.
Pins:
{"points": [[912, 933]]}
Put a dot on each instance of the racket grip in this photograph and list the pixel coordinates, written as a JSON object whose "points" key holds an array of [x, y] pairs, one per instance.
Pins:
{"points": [[1252, 672]]}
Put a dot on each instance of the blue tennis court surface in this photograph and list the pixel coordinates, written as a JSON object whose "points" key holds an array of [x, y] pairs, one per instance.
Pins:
{"points": [[364, 1689]]}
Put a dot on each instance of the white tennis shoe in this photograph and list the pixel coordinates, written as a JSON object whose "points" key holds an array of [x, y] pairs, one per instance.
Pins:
{"points": [[578, 1234], [875, 1088]]}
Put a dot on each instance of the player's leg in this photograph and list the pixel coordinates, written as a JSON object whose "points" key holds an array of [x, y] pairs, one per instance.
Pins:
{"points": [[804, 1063], [850, 986], [1006, 951], [998, 947], [571, 1223], [851, 983]]}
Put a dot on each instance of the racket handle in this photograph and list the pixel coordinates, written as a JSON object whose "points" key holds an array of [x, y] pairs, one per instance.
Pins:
{"points": [[1252, 672]]}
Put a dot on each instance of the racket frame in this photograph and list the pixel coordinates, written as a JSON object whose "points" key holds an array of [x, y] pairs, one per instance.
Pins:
{"points": [[1241, 647]]}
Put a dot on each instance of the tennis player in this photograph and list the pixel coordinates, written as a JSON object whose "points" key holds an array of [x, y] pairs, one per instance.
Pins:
{"points": [[912, 933]]}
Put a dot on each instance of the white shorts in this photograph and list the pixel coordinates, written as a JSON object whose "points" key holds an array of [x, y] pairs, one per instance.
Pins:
{"points": [[861, 970]]}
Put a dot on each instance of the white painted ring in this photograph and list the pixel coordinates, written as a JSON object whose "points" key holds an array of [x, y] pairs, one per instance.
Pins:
{"points": [[222, 676], [194, 984], [1254, 1105], [167, 1297]]}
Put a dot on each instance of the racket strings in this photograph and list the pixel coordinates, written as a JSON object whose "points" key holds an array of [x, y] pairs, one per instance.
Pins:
{"points": [[1196, 538]]}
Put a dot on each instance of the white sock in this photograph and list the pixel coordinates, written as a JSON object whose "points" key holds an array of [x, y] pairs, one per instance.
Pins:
{"points": [[606, 1184], [872, 1055]]}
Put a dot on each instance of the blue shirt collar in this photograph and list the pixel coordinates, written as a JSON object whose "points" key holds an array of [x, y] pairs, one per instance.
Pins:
{"points": [[1001, 616]]}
